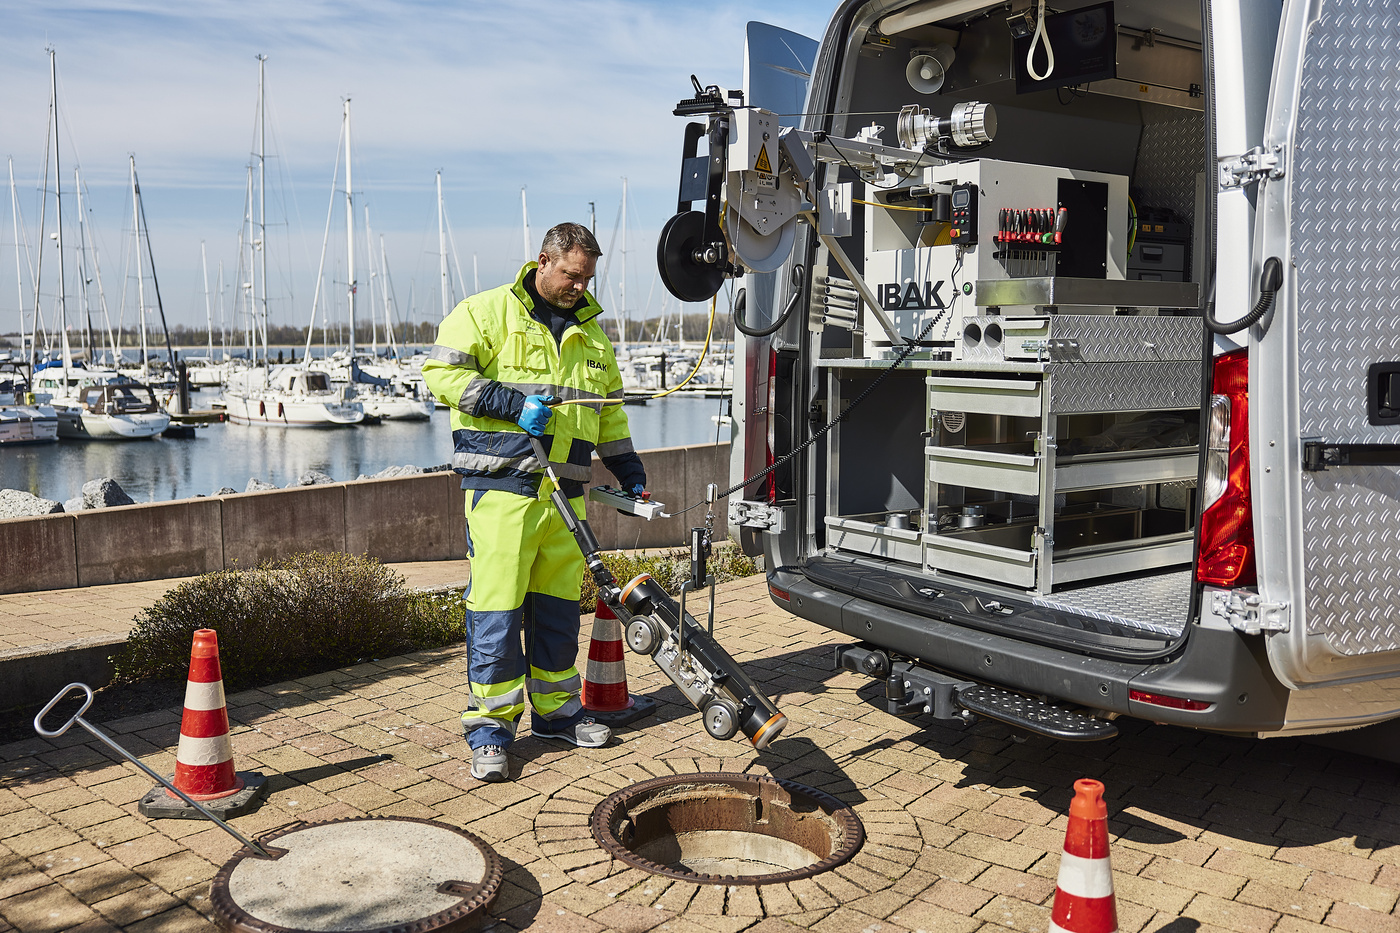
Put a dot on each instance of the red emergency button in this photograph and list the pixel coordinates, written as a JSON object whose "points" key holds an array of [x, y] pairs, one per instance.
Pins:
{"points": [[953, 233]]}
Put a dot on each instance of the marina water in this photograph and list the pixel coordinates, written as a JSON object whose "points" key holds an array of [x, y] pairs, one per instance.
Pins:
{"points": [[228, 455]]}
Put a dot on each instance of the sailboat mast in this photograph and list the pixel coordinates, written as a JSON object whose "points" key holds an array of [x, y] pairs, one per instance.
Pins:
{"points": [[260, 243], [83, 278], [389, 339], [19, 275], [155, 281], [97, 274], [442, 248], [245, 299], [525, 216], [369, 255], [58, 208], [223, 321], [140, 270], [349, 231], [208, 308]]}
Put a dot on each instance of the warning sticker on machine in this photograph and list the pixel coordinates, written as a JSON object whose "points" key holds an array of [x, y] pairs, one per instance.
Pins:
{"points": [[763, 165]]}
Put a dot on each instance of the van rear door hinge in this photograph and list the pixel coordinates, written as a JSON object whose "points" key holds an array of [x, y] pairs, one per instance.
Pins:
{"points": [[755, 515], [1249, 613], [1248, 168]]}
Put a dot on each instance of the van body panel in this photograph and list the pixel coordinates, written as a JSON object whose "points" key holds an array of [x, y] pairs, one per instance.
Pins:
{"points": [[1329, 538], [1314, 77]]}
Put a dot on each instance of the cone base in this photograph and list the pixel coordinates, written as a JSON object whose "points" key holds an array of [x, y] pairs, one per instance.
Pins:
{"points": [[159, 803], [640, 708]]}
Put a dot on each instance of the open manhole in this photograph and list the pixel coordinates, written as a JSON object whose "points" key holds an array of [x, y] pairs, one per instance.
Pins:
{"points": [[380, 874], [723, 828]]}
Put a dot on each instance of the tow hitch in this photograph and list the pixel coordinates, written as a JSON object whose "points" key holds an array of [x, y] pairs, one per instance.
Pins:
{"points": [[911, 689]]}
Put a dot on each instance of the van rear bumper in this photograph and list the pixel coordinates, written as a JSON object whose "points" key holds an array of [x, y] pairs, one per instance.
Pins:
{"points": [[1222, 667]]}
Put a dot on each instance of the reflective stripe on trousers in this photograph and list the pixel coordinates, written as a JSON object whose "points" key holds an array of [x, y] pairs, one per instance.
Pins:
{"points": [[521, 613]]}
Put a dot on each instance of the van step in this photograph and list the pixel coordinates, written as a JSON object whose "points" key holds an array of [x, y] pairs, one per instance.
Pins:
{"points": [[1033, 715]]}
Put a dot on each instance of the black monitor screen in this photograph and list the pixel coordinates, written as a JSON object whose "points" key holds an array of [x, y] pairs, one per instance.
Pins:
{"points": [[1086, 49]]}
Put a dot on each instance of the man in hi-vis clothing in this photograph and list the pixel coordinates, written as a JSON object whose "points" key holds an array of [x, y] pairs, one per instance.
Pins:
{"points": [[503, 361]]}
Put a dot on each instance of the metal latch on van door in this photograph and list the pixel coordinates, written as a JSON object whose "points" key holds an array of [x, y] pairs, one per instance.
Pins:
{"points": [[1248, 168], [1246, 611], [755, 515]]}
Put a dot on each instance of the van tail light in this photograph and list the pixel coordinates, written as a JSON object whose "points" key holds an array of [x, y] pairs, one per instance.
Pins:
{"points": [[1226, 556], [1161, 699]]}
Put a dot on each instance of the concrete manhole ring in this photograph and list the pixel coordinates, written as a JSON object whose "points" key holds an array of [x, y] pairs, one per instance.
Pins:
{"points": [[366, 874], [725, 828]]}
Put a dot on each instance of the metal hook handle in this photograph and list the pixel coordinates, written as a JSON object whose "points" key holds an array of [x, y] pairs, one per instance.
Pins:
{"points": [[76, 717]]}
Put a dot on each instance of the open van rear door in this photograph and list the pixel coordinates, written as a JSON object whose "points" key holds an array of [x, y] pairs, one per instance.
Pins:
{"points": [[1324, 437], [777, 70]]}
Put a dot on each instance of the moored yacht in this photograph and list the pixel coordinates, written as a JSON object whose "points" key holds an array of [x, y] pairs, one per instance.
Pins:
{"points": [[25, 418], [288, 396]]}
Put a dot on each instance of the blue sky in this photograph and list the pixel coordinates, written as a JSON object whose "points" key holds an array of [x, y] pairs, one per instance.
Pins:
{"points": [[564, 98]]}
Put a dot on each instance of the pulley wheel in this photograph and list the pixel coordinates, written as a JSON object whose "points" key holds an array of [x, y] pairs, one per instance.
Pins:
{"points": [[683, 277], [366, 874], [760, 252]]}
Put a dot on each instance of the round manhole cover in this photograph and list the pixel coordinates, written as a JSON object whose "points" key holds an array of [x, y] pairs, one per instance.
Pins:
{"points": [[727, 828], [366, 874]]}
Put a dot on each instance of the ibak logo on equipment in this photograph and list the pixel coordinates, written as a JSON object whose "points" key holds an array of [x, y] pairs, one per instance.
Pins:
{"points": [[896, 297]]}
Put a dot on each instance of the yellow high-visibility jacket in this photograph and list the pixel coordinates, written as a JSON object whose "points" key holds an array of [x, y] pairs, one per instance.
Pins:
{"points": [[490, 353]]}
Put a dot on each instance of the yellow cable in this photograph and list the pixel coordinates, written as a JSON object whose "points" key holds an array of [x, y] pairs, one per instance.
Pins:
{"points": [[892, 207], [704, 351]]}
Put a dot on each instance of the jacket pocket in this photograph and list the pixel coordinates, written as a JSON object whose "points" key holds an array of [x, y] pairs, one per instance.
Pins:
{"points": [[527, 353]]}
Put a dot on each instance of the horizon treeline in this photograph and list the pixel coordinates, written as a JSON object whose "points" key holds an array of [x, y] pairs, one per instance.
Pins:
{"points": [[417, 334]]}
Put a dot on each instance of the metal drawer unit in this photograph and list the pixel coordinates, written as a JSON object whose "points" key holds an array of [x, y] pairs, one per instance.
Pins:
{"points": [[1021, 474]]}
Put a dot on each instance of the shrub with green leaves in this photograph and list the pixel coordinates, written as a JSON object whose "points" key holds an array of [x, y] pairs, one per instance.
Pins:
{"points": [[289, 618]]}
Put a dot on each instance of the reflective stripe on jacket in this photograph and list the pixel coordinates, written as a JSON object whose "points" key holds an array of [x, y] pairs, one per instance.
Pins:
{"points": [[491, 338]]}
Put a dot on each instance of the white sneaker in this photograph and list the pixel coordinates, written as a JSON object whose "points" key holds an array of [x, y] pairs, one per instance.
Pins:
{"points": [[586, 733], [489, 764]]}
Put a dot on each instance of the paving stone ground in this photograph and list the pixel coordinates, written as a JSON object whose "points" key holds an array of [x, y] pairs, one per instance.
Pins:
{"points": [[965, 824]]}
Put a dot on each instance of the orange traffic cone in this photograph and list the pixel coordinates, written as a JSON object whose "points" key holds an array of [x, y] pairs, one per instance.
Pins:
{"points": [[605, 693], [204, 760], [1084, 901]]}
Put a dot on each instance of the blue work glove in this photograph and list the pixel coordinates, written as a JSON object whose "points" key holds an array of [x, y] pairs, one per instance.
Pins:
{"points": [[536, 414], [638, 490]]}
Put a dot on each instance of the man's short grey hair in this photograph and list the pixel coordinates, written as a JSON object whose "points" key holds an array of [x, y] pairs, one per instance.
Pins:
{"points": [[563, 238]]}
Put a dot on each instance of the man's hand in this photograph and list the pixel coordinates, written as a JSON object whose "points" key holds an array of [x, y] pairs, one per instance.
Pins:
{"points": [[640, 491], [534, 417]]}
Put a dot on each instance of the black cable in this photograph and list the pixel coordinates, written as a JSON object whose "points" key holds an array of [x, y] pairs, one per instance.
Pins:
{"points": [[799, 276], [1270, 280], [903, 355]]}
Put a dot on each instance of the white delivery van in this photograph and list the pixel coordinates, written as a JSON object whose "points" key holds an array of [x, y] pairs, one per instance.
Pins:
{"points": [[1070, 380]]}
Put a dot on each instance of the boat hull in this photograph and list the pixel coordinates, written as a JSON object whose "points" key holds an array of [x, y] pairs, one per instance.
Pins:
{"points": [[28, 424], [76, 424], [290, 413]]}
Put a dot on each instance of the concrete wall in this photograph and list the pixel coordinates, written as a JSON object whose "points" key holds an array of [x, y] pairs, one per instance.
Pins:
{"points": [[38, 553], [411, 518]]}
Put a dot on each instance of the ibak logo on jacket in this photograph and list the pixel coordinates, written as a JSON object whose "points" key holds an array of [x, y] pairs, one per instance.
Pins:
{"points": [[594, 364]]}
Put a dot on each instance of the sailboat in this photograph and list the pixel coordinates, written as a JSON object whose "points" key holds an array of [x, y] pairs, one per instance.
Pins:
{"points": [[89, 403], [25, 418], [291, 396], [365, 377]]}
